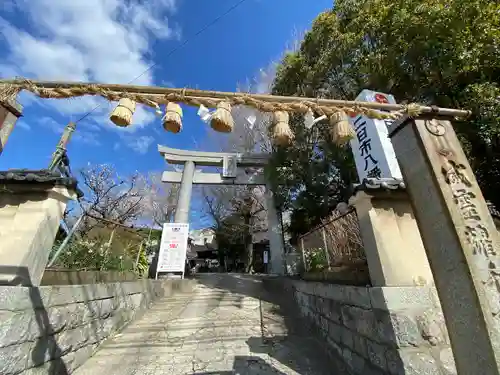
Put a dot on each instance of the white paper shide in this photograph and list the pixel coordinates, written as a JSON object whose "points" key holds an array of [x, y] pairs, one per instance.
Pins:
{"points": [[372, 148], [173, 247]]}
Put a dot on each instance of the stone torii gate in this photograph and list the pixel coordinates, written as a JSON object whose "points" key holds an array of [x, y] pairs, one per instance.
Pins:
{"points": [[230, 162]]}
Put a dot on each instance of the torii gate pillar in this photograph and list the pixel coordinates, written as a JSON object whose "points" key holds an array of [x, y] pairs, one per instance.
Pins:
{"points": [[185, 192], [275, 231]]}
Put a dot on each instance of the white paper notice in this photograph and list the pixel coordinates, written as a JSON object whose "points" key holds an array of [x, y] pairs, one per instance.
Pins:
{"points": [[372, 148], [266, 257], [173, 247]]}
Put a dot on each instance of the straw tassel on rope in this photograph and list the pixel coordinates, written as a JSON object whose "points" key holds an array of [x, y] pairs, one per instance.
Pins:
{"points": [[122, 114], [172, 121], [222, 120], [265, 103], [341, 130], [282, 134]]}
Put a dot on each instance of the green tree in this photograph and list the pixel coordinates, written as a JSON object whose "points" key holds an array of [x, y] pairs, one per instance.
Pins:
{"points": [[310, 177], [442, 52]]}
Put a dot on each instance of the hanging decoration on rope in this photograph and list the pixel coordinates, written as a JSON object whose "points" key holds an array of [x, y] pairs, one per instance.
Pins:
{"points": [[281, 132], [310, 120], [123, 113], [221, 120], [341, 130], [251, 120], [204, 114], [172, 121], [158, 111]]}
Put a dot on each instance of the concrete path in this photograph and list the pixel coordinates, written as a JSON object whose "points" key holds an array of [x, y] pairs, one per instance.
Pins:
{"points": [[230, 325]]}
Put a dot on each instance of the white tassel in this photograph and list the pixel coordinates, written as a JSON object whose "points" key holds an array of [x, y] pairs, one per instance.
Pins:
{"points": [[251, 121], [310, 121], [205, 114]]}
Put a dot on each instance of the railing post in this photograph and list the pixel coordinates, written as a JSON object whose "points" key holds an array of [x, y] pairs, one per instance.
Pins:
{"points": [[327, 254], [302, 251]]}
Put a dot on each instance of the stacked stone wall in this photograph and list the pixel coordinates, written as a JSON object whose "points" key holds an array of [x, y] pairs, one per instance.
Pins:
{"points": [[378, 330], [55, 329]]}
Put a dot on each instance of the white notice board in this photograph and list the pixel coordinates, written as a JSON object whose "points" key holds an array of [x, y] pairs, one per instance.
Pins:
{"points": [[173, 247]]}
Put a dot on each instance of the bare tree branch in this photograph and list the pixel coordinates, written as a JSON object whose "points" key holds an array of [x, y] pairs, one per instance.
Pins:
{"points": [[135, 199], [159, 198]]}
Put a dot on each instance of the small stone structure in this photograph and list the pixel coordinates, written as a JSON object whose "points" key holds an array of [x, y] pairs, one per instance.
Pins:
{"points": [[391, 238], [55, 329], [377, 330], [32, 204]]}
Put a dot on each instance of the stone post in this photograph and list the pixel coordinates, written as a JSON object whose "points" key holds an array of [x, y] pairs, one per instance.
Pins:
{"points": [[9, 113], [184, 200], [30, 215], [459, 237], [274, 230], [394, 250]]}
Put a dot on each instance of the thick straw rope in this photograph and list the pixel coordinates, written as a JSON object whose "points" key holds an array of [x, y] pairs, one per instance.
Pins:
{"points": [[10, 91]]}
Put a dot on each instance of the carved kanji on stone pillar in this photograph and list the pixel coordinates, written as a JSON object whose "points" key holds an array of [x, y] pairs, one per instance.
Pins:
{"points": [[459, 236]]}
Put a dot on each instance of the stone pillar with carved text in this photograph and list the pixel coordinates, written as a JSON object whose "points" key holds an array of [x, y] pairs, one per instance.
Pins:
{"points": [[459, 236]]}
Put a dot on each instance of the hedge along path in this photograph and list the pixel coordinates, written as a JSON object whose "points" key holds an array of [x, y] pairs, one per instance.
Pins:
{"points": [[153, 96]]}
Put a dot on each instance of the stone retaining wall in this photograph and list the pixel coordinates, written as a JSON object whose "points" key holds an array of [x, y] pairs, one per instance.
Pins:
{"points": [[71, 277], [55, 329], [388, 330]]}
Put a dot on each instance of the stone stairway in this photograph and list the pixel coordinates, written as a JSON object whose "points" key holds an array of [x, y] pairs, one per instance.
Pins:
{"points": [[228, 325]]}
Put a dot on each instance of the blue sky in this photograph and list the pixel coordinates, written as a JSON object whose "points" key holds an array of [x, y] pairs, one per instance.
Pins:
{"points": [[115, 41]]}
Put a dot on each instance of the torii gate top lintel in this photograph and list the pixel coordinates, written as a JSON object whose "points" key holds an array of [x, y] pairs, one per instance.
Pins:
{"points": [[205, 158]]}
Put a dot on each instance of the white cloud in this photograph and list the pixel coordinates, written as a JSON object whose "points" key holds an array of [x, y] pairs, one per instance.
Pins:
{"points": [[81, 134], [264, 81], [139, 144], [88, 40], [51, 124], [8, 70], [23, 125], [87, 138]]}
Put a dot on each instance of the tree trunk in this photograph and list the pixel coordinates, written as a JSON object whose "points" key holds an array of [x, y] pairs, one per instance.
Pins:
{"points": [[248, 246], [249, 256]]}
